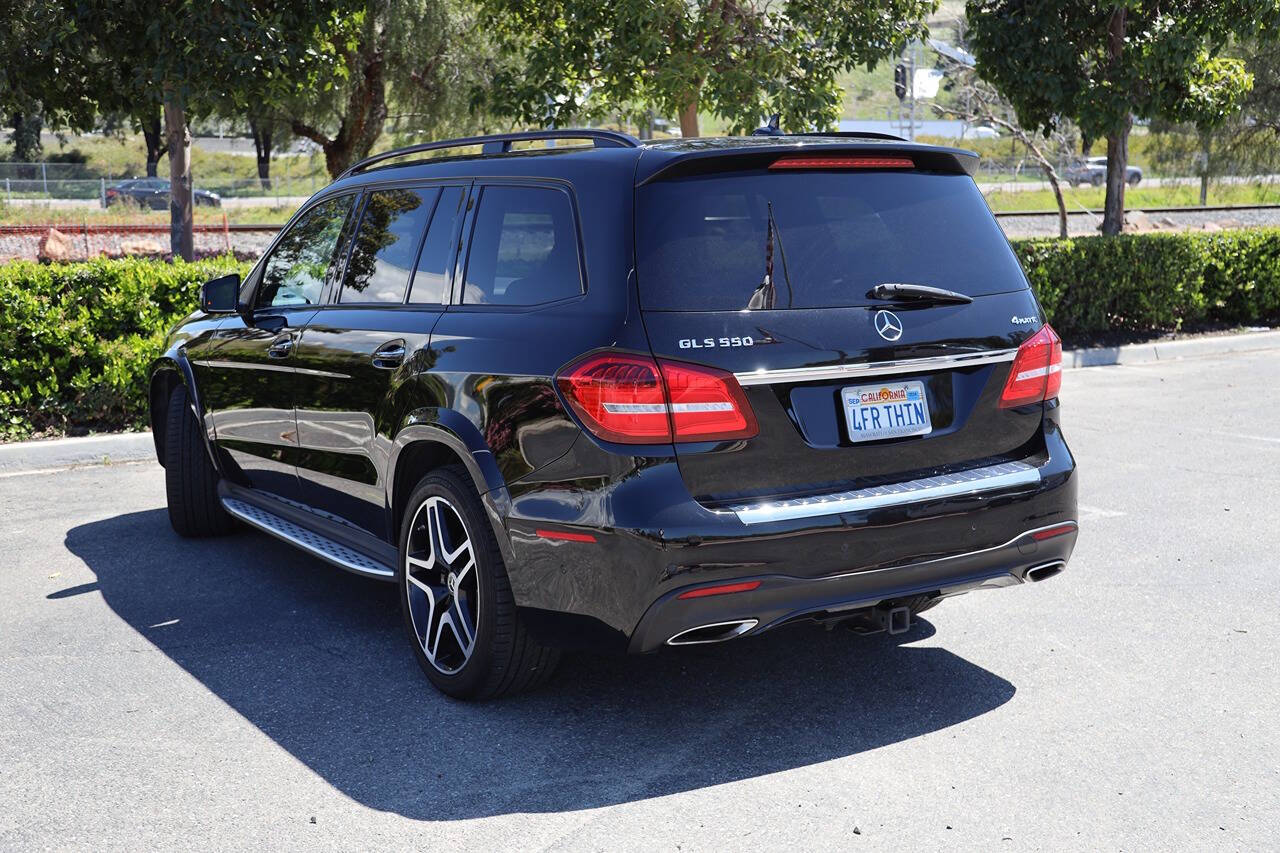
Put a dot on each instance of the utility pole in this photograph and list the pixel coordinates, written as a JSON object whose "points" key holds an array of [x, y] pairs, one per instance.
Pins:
{"points": [[911, 92]]}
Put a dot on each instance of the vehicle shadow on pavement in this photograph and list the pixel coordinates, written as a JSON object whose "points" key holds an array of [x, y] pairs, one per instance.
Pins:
{"points": [[315, 658]]}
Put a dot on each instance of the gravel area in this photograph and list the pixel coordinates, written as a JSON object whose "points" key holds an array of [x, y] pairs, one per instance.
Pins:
{"points": [[1085, 224], [243, 243]]}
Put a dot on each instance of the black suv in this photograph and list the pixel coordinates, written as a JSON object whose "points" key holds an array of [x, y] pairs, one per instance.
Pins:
{"points": [[631, 395]]}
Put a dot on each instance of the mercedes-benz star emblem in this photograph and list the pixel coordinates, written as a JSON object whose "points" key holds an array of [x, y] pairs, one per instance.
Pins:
{"points": [[888, 325]]}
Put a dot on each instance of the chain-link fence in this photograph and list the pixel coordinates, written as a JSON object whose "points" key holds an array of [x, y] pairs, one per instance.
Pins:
{"points": [[69, 182]]}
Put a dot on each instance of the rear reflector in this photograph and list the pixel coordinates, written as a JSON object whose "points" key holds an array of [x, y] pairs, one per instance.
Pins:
{"points": [[1050, 532], [1036, 374], [633, 399], [723, 589], [566, 535], [843, 163]]}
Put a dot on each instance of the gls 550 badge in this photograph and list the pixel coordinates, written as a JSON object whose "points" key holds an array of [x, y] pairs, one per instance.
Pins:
{"points": [[712, 343]]}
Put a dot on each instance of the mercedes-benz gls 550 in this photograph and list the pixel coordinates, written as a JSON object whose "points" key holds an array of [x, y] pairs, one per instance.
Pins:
{"points": [[564, 388]]}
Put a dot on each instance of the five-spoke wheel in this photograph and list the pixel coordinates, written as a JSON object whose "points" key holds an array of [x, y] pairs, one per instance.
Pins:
{"points": [[461, 617], [441, 585]]}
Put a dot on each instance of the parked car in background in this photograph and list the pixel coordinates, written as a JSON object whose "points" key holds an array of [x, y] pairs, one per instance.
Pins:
{"points": [[1093, 171], [631, 396], [154, 193]]}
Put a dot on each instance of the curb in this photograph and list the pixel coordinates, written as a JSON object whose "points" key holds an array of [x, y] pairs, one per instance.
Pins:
{"points": [[1170, 350], [66, 452]]}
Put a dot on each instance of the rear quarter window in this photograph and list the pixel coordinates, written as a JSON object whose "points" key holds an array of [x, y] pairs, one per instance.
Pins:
{"points": [[705, 243], [523, 248]]}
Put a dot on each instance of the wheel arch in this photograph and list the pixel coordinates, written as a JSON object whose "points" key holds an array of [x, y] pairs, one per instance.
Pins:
{"points": [[432, 438], [167, 373]]}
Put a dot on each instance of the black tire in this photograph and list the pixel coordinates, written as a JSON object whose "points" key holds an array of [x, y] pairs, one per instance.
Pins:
{"points": [[1134, 180], [1098, 180], [191, 482], [503, 659]]}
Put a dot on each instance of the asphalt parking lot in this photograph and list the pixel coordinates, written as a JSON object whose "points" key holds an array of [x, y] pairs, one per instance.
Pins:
{"points": [[238, 694]]}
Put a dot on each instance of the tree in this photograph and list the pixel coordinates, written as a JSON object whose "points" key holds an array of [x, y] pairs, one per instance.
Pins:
{"points": [[1101, 64], [978, 102], [84, 57], [423, 56], [738, 59]]}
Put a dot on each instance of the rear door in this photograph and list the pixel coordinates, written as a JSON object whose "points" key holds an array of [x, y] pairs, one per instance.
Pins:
{"points": [[360, 350], [768, 273]]}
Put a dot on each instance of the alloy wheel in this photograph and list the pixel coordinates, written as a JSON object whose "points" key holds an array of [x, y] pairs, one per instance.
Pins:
{"points": [[442, 585]]}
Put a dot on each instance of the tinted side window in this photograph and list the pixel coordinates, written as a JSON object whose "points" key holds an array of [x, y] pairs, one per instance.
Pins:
{"points": [[431, 283], [386, 245], [524, 248], [294, 274]]}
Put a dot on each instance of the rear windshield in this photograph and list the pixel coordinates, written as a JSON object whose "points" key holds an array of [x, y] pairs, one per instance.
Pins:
{"points": [[705, 243]]}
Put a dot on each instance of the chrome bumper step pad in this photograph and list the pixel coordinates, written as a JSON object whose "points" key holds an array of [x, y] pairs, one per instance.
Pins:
{"points": [[974, 481], [308, 540]]}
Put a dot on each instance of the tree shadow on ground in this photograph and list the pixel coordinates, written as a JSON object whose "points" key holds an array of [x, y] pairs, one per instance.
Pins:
{"points": [[315, 658]]}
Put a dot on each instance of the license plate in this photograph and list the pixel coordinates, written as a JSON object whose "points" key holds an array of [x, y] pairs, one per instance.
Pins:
{"points": [[887, 410]]}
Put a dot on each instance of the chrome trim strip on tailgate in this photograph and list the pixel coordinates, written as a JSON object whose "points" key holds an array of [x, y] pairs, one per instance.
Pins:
{"points": [[874, 368], [974, 481]]}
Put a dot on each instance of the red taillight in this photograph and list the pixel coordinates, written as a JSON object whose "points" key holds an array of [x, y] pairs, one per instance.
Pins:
{"points": [[843, 163], [632, 399], [723, 589], [706, 404], [1036, 374]]}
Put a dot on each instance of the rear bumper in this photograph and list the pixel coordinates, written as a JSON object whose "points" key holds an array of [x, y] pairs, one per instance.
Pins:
{"points": [[650, 541], [781, 599]]}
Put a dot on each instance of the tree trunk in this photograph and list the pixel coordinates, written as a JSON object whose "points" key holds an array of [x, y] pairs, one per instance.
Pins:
{"points": [[689, 120], [1117, 139], [155, 141], [1206, 143], [261, 131], [1062, 203], [181, 236], [26, 136], [1117, 164]]}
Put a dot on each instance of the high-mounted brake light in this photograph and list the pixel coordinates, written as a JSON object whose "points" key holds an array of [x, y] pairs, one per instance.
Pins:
{"points": [[633, 399], [1036, 374], [843, 163]]}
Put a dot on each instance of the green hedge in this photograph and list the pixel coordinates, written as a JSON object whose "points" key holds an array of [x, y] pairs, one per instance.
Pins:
{"points": [[76, 340], [1155, 282]]}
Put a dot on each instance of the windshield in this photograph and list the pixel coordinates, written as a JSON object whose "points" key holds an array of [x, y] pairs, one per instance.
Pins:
{"points": [[814, 239]]}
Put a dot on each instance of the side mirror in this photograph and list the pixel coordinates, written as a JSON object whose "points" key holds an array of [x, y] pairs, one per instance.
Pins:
{"points": [[221, 296]]}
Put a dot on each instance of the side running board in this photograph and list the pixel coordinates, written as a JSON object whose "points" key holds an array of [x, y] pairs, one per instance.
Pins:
{"points": [[308, 540]]}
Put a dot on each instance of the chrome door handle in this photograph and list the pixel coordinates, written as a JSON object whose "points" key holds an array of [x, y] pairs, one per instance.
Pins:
{"points": [[389, 356], [280, 348]]}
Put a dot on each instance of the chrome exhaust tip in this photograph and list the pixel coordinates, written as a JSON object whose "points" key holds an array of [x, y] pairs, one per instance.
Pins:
{"points": [[1035, 574], [716, 632]]}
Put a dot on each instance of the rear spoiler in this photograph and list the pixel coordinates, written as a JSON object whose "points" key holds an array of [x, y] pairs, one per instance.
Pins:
{"points": [[757, 153]]}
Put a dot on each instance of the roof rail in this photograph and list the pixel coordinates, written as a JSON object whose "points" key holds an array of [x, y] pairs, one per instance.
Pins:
{"points": [[500, 143]]}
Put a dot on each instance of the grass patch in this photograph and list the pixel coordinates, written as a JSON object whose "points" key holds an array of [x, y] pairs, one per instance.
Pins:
{"points": [[1092, 198]]}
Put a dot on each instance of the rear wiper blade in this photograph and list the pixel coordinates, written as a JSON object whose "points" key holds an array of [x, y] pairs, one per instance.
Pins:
{"points": [[923, 292]]}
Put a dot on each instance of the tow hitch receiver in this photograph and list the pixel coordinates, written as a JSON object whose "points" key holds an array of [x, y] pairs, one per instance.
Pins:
{"points": [[873, 620]]}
